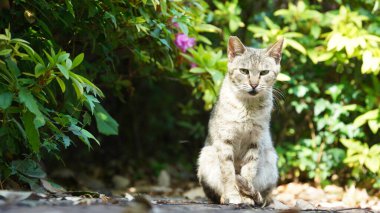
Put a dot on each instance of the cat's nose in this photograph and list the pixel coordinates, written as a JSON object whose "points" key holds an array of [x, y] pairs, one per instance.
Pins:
{"points": [[254, 86]]}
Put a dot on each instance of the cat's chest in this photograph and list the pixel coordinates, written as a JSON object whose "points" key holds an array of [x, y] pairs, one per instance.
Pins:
{"points": [[246, 132], [243, 125]]}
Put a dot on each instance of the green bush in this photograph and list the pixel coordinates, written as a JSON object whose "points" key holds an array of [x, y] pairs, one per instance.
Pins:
{"points": [[122, 41], [41, 103]]}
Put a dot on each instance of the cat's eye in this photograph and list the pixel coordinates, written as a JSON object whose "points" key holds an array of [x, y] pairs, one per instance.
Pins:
{"points": [[264, 72], [244, 71]]}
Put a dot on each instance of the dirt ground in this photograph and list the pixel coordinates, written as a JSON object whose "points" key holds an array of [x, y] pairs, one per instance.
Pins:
{"points": [[20, 202], [288, 198], [158, 209], [154, 206]]}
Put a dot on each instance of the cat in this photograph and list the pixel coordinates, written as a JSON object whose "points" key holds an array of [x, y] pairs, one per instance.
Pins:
{"points": [[238, 163]]}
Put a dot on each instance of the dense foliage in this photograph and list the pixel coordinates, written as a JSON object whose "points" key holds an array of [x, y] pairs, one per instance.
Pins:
{"points": [[164, 61], [333, 62], [38, 115]]}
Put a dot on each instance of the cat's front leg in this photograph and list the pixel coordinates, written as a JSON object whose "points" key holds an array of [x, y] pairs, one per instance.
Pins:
{"points": [[248, 172], [267, 174], [226, 157]]}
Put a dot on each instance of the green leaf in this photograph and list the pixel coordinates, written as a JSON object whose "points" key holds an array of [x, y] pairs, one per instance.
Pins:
{"points": [[216, 75], [31, 131], [61, 84], [77, 60], [197, 70], [325, 56], [88, 84], [50, 58], [283, 77], [207, 28], [20, 129], [78, 87], [204, 39], [270, 23], [29, 168], [4, 37], [234, 23], [374, 125], [86, 119], [372, 163], [91, 100], [315, 31], [165, 42], [12, 66], [69, 7], [108, 15], [183, 27], [294, 44], [5, 52], [30, 103], [164, 7], [188, 57], [66, 141], [39, 69], [300, 91], [87, 134], [5, 100], [63, 56], [353, 145], [35, 57], [63, 70], [19, 40], [69, 64], [374, 150], [83, 134], [320, 106], [362, 119], [104, 122]]}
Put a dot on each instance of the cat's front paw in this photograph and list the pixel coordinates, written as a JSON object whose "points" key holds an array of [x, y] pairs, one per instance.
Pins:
{"points": [[231, 199], [266, 201], [248, 201]]}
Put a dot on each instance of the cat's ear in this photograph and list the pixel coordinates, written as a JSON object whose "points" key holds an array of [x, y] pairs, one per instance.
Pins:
{"points": [[275, 50], [235, 47]]}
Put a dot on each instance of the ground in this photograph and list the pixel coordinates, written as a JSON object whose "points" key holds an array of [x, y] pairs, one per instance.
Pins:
{"points": [[164, 196], [155, 206], [83, 202]]}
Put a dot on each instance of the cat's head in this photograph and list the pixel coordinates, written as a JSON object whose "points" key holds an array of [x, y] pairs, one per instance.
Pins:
{"points": [[253, 71]]}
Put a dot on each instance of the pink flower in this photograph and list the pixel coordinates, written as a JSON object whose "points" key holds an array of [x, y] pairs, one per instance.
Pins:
{"points": [[183, 42], [175, 24], [193, 65]]}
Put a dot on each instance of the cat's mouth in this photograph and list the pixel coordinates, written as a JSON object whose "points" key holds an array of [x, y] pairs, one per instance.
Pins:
{"points": [[253, 92]]}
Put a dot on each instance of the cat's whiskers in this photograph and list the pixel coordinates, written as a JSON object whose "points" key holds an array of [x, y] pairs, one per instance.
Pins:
{"points": [[277, 96], [279, 93]]}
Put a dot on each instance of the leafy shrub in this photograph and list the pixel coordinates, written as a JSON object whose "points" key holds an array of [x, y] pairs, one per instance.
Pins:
{"points": [[123, 36], [42, 99]]}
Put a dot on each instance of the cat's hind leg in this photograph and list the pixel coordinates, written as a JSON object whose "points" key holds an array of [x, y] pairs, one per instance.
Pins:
{"points": [[209, 174]]}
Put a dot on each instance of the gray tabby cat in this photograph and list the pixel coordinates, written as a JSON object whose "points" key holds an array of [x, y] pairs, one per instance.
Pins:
{"points": [[238, 162]]}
